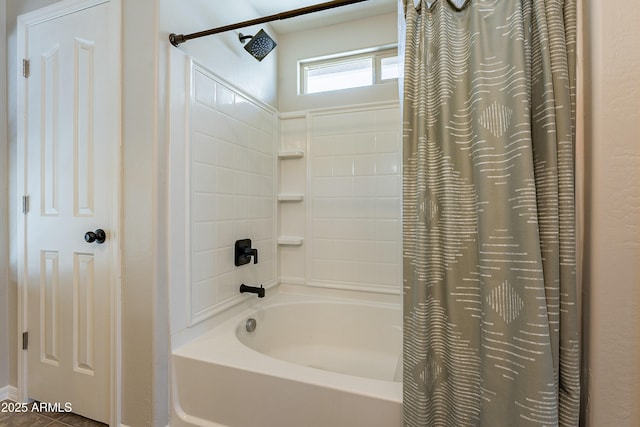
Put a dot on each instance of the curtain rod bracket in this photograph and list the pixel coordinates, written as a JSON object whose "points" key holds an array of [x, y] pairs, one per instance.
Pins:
{"points": [[177, 39]]}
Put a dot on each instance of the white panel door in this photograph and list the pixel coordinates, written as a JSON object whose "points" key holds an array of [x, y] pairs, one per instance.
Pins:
{"points": [[71, 139]]}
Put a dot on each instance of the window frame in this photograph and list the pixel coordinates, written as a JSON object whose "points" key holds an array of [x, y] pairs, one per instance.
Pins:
{"points": [[376, 55]]}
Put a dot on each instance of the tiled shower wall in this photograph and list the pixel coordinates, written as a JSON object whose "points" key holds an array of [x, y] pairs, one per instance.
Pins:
{"points": [[339, 213], [229, 185], [352, 206]]}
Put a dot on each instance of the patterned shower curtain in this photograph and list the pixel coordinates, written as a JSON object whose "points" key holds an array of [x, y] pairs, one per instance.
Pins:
{"points": [[491, 332]]}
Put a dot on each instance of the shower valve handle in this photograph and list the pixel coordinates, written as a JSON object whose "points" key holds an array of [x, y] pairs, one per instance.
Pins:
{"points": [[244, 252], [252, 253]]}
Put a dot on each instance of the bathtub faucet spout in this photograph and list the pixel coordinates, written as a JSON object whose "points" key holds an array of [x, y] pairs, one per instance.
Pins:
{"points": [[252, 289]]}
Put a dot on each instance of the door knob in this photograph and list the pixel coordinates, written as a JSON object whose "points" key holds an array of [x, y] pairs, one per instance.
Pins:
{"points": [[98, 236]]}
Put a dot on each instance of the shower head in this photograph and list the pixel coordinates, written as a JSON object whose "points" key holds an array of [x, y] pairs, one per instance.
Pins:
{"points": [[259, 46]]}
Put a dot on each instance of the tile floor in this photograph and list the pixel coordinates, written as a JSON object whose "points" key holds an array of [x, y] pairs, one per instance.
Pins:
{"points": [[43, 419]]}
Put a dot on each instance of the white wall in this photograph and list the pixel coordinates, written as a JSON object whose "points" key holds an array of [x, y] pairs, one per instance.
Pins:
{"points": [[381, 30], [612, 257], [144, 310]]}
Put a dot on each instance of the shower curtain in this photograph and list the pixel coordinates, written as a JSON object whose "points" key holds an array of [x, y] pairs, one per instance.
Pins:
{"points": [[490, 313]]}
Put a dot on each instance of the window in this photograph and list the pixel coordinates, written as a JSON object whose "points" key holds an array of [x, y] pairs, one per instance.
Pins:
{"points": [[349, 70]]}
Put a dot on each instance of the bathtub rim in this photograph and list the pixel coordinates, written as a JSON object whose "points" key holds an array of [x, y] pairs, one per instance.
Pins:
{"points": [[190, 333]]}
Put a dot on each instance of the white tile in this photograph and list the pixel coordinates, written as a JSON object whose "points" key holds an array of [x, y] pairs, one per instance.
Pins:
{"points": [[324, 249], [240, 208], [240, 158], [246, 274], [388, 164], [203, 178], [387, 208], [202, 207], [322, 146], [268, 141], [233, 142], [387, 119], [224, 260], [322, 166], [224, 98], [223, 208], [240, 183], [268, 232], [254, 142], [224, 154], [363, 208], [369, 274], [341, 145], [364, 186], [388, 142], [211, 123], [388, 274], [255, 229], [363, 229], [255, 184], [223, 234], [388, 230], [293, 134], [203, 237], [224, 181], [254, 209], [388, 186], [333, 187], [343, 166], [225, 288], [240, 134], [204, 149], [264, 187], [343, 123], [240, 230], [365, 165], [364, 144], [202, 266], [386, 252], [203, 296], [267, 209], [205, 89]]}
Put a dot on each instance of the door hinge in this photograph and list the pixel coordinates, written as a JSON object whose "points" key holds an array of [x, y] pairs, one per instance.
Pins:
{"points": [[25, 204], [25, 340], [25, 67]]}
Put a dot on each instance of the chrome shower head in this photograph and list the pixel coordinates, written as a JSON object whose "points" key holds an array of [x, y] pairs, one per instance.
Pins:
{"points": [[260, 45]]}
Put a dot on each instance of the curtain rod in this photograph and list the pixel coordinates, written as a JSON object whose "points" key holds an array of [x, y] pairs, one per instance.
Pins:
{"points": [[177, 39]]}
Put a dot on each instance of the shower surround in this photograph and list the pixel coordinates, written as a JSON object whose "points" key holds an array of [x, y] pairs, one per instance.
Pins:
{"points": [[322, 208]]}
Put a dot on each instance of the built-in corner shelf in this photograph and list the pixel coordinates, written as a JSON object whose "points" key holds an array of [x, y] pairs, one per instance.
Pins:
{"points": [[290, 241], [290, 197], [284, 155]]}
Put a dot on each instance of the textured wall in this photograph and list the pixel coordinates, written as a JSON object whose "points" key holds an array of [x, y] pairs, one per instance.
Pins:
{"points": [[612, 258]]}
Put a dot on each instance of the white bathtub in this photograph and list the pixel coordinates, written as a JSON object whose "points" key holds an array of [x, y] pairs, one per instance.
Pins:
{"points": [[312, 361]]}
